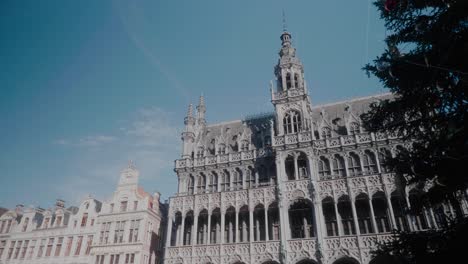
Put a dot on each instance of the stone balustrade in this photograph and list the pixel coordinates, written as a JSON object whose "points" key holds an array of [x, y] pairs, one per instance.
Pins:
{"points": [[222, 158]]}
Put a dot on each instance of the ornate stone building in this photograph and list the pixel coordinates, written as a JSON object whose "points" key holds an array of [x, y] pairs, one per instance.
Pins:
{"points": [[125, 229], [305, 184]]}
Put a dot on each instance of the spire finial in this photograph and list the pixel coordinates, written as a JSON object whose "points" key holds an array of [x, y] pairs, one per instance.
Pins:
{"points": [[190, 110], [131, 164], [202, 100], [284, 22]]}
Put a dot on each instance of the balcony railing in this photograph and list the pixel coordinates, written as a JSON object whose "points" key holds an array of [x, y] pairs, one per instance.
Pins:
{"points": [[222, 158]]}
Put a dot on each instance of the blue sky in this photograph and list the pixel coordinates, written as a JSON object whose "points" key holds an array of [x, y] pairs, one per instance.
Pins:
{"points": [[88, 85]]}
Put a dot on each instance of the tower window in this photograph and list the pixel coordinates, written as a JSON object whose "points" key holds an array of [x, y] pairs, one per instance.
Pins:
{"points": [[288, 81], [292, 122], [296, 80]]}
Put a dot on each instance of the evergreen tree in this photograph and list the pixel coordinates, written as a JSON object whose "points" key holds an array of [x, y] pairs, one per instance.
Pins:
{"points": [[425, 65]]}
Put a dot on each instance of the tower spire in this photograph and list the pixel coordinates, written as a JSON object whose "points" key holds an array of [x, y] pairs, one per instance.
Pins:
{"points": [[285, 29]]}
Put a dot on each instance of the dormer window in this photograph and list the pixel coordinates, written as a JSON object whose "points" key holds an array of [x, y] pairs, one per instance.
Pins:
{"points": [[326, 133], [292, 122], [86, 206], [221, 149], [46, 222], [244, 145], [58, 220], [25, 224], [84, 219], [123, 206], [354, 128], [200, 152], [111, 207]]}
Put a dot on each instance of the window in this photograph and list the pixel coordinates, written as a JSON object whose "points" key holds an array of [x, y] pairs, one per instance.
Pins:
{"points": [[324, 168], [41, 248], [226, 181], [69, 245], [119, 230], [114, 259], [10, 250], [384, 156], [354, 166], [244, 145], [292, 122], [84, 219], [201, 184], [104, 235], [326, 132], [99, 259], [49, 247], [133, 235], [18, 248], [296, 80], [200, 152], [123, 206], [31, 249], [221, 149], [369, 163], [130, 258], [2, 247], [338, 166], [249, 178], [237, 179], [75, 223], [46, 222], [288, 80], [58, 248], [190, 184], [135, 205], [86, 206], [88, 245], [213, 184], [25, 224], [58, 221], [78, 245], [25, 248], [354, 128]]}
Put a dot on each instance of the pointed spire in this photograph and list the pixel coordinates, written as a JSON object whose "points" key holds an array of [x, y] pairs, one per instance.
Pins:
{"points": [[201, 110], [284, 22], [202, 100], [190, 110]]}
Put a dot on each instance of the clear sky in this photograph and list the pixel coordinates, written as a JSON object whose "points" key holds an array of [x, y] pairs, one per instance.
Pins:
{"points": [[88, 85]]}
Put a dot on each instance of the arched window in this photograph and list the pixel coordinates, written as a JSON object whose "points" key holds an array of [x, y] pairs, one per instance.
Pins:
{"points": [[237, 179], [326, 132], [267, 141], [201, 183], [324, 168], [226, 181], [384, 156], [354, 128], [221, 149], [302, 164], [190, 183], [338, 166], [289, 166], [292, 122], [249, 178], [213, 186], [301, 220], [354, 165], [263, 178], [244, 145], [288, 81], [369, 162], [296, 80]]}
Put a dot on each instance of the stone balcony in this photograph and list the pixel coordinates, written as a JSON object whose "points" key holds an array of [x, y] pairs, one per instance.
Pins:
{"points": [[335, 142], [222, 158]]}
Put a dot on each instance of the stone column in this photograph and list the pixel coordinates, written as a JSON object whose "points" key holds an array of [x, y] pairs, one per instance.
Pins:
{"points": [[355, 218], [182, 229], [207, 180], [168, 232], [267, 236], [231, 180], [209, 228], [296, 168], [236, 228], [222, 228], [338, 219], [195, 184], [392, 213], [256, 178], [374, 223], [195, 229], [320, 227], [251, 233]]}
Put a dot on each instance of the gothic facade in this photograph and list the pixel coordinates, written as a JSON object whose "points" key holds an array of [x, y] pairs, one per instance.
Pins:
{"points": [[124, 229], [305, 184]]}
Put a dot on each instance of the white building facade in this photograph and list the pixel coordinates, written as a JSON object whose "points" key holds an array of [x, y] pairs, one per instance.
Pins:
{"points": [[126, 229], [305, 184]]}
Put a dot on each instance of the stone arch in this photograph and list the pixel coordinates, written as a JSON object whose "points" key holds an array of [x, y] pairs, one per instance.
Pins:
{"points": [[346, 215], [301, 218], [330, 217], [363, 213], [346, 260], [381, 212], [385, 259], [306, 260]]}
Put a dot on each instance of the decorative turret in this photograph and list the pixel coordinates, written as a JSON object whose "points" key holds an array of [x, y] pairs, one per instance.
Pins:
{"points": [[188, 136]]}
